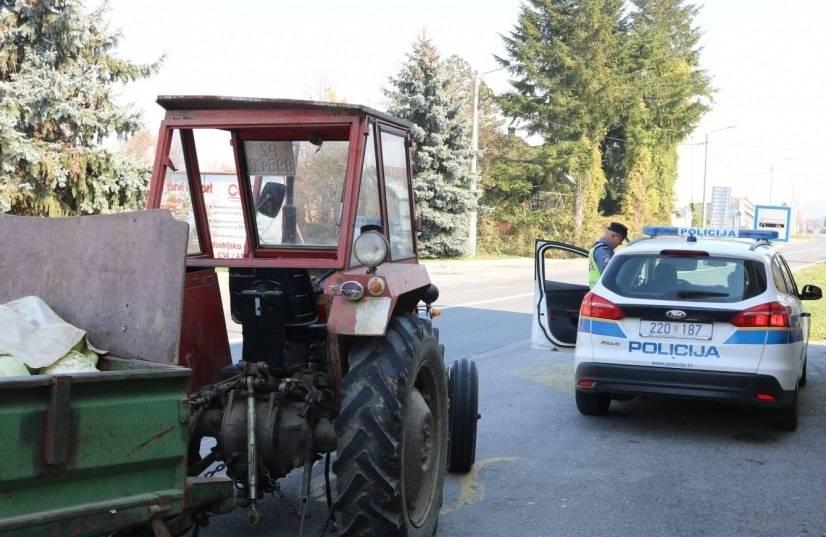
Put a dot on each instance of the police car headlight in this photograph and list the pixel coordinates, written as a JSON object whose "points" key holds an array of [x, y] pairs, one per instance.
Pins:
{"points": [[371, 248]]}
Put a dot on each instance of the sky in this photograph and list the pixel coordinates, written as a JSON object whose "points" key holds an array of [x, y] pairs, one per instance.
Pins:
{"points": [[765, 58]]}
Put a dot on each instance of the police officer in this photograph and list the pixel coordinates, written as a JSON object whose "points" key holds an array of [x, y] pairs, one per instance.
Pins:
{"points": [[603, 250]]}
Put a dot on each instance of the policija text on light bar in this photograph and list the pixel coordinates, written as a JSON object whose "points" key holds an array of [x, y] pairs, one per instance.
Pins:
{"points": [[710, 232]]}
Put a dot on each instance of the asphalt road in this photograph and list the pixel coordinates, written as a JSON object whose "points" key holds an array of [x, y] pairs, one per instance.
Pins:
{"points": [[649, 468]]}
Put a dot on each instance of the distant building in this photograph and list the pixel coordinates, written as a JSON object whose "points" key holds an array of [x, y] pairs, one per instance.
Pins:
{"points": [[807, 226], [720, 201], [740, 214]]}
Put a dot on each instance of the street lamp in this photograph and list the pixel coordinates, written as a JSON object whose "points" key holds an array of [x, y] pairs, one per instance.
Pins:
{"points": [[705, 169], [474, 145], [771, 176]]}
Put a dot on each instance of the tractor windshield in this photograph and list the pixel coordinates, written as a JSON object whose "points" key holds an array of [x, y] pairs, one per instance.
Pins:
{"points": [[297, 188]]}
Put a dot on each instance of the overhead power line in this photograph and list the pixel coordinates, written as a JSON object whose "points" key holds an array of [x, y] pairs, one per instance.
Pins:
{"points": [[774, 147], [690, 143], [735, 169]]}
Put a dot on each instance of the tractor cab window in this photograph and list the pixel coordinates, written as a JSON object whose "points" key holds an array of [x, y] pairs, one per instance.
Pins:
{"points": [[400, 224], [219, 187], [297, 188], [369, 204], [176, 195]]}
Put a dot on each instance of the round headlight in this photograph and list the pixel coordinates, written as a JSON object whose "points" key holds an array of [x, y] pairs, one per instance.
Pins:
{"points": [[371, 248]]}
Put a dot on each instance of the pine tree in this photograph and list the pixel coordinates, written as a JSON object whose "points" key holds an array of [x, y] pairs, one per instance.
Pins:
{"points": [[442, 180], [58, 75], [671, 94], [566, 57]]}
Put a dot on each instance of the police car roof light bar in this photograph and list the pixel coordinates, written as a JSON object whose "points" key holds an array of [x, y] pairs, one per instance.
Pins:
{"points": [[710, 232], [758, 234], [656, 231]]}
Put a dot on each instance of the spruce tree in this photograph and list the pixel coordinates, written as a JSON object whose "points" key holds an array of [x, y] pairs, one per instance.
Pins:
{"points": [[670, 94], [58, 77], [442, 180], [566, 59]]}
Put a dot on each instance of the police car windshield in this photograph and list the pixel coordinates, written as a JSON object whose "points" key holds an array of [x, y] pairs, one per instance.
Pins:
{"points": [[695, 278]]}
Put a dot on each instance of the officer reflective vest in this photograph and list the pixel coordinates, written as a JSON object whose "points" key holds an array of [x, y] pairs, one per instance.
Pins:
{"points": [[593, 268]]}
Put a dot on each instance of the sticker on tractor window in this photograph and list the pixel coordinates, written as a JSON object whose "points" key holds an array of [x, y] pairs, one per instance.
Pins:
{"points": [[270, 158]]}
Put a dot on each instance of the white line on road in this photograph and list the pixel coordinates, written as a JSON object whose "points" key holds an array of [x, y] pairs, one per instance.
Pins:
{"points": [[808, 264], [791, 251], [488, 301]]}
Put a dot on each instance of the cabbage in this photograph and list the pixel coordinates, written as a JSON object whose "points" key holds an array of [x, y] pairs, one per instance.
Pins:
{"points": [[73, 362], [9, 367]]}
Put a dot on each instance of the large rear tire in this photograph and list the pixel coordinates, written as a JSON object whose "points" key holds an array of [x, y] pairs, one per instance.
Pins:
{"points": [[463, 386], [392, 434]]}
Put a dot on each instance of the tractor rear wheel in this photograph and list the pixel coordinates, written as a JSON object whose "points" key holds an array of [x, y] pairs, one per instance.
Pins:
{"points": [[393, 434]]}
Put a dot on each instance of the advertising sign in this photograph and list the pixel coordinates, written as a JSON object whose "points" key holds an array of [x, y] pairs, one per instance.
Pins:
{"points": [[774, 218], [223, 207]]}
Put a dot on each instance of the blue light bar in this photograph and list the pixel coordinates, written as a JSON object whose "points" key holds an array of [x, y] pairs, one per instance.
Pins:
{"points": [[656, 231], [758, 234], [710, 232]]}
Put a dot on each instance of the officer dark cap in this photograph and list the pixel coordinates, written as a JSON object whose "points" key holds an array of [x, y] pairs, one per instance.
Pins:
{"points": [[619, 229]]}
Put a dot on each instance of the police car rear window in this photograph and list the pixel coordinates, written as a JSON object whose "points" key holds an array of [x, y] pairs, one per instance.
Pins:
{"points": [[690, 278]]}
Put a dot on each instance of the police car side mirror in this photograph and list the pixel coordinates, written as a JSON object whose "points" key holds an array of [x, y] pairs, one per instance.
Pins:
{"points": [[811, 292]]}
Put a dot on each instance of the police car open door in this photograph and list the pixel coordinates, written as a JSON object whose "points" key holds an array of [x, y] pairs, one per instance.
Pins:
{"points": [[560, 283]]}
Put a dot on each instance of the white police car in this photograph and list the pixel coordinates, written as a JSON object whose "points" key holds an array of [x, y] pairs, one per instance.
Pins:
{"points": [[683, 312]]}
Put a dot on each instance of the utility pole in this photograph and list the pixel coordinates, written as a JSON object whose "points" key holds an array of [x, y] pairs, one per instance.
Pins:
{"points": [[771, 177], [705, 169], [705, 173], [474, 145]]}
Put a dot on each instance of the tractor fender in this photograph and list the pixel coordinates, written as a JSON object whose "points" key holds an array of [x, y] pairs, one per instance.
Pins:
{"points": [[369, 315]]}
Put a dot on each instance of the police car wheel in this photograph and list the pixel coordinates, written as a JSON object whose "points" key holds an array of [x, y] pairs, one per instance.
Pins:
{"points": [[786, 418], [803, 375], [592, 404]]}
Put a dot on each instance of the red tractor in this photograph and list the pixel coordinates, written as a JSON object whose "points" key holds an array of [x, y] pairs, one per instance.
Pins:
{"points": [[308, 209]]}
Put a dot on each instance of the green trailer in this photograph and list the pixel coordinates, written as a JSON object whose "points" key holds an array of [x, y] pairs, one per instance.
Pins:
{"points": [[98, 453], [90, 453]]}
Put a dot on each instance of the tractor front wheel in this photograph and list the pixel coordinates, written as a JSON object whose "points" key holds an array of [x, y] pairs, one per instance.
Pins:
{"points": [[463, 385], [393, 433]]}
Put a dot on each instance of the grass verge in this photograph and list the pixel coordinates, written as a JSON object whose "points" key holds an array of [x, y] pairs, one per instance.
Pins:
{"points": [[815, 275]]}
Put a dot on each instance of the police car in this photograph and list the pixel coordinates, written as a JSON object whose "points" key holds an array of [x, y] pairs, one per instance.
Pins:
{"points": [[682, 312]]}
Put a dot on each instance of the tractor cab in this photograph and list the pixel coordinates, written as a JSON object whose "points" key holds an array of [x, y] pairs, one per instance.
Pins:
{"points": [[279, 191], [282, 183]]}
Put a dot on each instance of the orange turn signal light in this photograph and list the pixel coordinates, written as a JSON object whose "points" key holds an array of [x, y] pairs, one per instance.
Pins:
{"points": [[376, 286]]}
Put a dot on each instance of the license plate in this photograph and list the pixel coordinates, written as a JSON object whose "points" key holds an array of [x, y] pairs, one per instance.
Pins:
{"points": [[669, 329]]}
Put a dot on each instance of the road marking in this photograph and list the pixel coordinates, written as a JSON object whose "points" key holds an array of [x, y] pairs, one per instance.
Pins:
{"points": [[471, 490], [793, 251], [488, 301], [808, 264]]}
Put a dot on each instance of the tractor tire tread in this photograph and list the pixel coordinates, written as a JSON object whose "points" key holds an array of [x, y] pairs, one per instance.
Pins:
{"points": [[369, 428]]}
